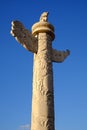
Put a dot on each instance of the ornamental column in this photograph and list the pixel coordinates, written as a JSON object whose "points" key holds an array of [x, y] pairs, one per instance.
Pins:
{"points": [[43, 93], [39, 42]]}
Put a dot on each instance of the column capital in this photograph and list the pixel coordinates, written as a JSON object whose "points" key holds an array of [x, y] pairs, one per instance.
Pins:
{"points": [[43, 27]]}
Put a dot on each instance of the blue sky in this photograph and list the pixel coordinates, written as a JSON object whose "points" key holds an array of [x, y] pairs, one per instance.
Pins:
{"points": [[69, 18]]}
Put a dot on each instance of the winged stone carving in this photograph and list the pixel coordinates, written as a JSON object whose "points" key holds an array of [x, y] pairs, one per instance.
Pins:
{"points": [[59, 56], [24, 36], [28, 41]]}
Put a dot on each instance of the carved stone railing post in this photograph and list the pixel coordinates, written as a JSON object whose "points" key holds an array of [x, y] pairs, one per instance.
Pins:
{"points": [[40, 43]]}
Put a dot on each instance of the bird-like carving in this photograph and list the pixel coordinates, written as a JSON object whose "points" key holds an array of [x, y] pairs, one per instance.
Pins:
{"points": [[44, 17], [24, 36]]}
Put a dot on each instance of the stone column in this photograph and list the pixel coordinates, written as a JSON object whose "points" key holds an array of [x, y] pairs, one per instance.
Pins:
{"points": [[39, 42], [43, 93]]}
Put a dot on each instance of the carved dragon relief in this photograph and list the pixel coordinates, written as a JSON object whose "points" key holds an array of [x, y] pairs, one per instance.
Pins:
{"points": [[44, 122]]}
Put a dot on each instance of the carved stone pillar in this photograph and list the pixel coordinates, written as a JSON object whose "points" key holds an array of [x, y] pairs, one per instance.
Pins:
{"points": [[39, 42], [43, 94]]}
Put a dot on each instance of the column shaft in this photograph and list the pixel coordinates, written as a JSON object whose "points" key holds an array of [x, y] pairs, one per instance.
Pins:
{"points": [[43, 94]]}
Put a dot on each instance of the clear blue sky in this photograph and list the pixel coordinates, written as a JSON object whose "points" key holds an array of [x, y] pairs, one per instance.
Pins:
{"points": [[69, 18]]}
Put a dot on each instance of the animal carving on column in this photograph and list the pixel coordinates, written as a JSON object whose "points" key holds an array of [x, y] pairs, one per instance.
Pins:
{"points": [[44, 17]]}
